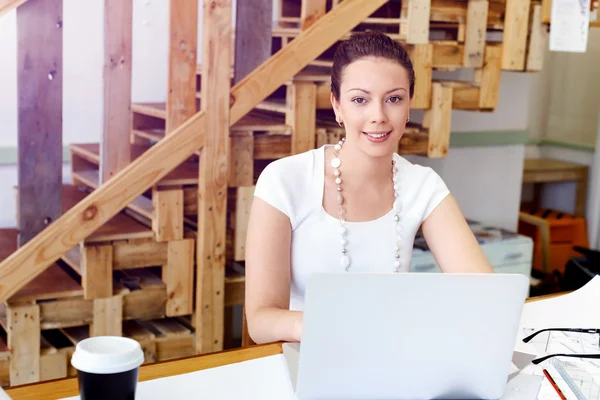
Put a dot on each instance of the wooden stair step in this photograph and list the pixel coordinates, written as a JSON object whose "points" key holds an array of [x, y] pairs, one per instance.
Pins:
{"points": [[156, 110], [141, 205], [185, 174], [273, 105], [53, 283], [119, 227], [255, 122]]}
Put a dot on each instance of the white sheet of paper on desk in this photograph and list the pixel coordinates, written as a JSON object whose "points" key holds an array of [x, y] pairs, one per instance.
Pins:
{"points": [[570, 20], [264, 378], [574, 310]]}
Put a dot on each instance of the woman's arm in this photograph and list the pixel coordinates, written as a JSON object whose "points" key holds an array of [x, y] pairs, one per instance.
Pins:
{"points": [[452, 241], [268, 276]]}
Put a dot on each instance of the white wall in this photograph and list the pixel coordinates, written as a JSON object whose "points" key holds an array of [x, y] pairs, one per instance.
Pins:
{"points": [[484, 180]]}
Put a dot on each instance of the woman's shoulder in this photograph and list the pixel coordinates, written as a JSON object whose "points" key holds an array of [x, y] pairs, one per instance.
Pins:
{"points": [[295, 168], [422, 186], [291, 183], [412, 171]]}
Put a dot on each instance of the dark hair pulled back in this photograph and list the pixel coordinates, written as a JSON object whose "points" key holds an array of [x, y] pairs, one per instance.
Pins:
{"points": [[369, 44]]}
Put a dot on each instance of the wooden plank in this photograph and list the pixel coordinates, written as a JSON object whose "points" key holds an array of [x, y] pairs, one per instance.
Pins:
{"points": [[324, 97], [53, 366], [271, 147], [212, 188], [418, 21], [465, 98], [139, 253], [448, 55], [9, 5], [515, 34], [183, 44], [441, 111], [422, 59], [108, 317], [24, 341], [253, 36], [66, 313], [145, 304], [477, 14], [537, 41], [489, 77], [156, 110], [302, 114], [178, 274], [167, 223], [118, 15], [241, 168], [40, 94], [234, 290], [101, 205], [546, 11], [310, 12], [53, 283], [96, 268], [242, 214]]}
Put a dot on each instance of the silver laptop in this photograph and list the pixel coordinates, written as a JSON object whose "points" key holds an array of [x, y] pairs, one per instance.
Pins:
{"points": [[407, 336]]}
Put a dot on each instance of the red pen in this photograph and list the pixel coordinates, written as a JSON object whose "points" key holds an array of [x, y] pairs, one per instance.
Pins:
{"points": [[554, 385]]}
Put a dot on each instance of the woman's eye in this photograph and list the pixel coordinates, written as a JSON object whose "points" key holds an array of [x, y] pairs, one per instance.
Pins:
{"points": [[395, 99], [358, 100]]}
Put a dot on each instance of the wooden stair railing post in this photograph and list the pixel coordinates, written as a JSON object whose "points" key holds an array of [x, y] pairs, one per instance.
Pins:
{"points": [[115, 149], [180, 105], [253, 46], [212, 188], [40, 94], [105, 202], [516, 24]]}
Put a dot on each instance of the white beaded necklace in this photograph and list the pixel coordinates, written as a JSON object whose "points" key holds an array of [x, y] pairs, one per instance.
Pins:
{"points": [[345, 259]]}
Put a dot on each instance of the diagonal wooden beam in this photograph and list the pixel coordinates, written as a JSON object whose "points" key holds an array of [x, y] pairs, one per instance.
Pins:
{"points": [[9, 5], [110, 198]]}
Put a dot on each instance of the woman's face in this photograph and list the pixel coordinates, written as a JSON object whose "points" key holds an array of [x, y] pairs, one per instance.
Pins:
{"points": [[374, 104]]}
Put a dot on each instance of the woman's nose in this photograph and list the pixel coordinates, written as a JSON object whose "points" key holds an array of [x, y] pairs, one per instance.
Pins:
{"points": [[378, 114]]}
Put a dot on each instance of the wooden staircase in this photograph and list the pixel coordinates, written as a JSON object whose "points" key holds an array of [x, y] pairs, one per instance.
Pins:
{"points": [[151, 247]]}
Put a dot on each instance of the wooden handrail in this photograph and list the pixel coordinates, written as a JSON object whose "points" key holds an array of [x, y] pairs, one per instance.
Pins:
{"points": [[114, 195], [9, 5]]}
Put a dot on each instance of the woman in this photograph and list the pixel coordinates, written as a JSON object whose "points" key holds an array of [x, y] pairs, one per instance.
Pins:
{"points": [[353, 206]]}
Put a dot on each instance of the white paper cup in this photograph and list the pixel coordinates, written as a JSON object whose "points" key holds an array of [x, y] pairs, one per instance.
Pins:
{"points": [[107, 367]]}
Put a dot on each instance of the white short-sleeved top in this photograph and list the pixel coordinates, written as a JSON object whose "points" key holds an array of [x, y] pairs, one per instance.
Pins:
{"points": [[295, 185]]}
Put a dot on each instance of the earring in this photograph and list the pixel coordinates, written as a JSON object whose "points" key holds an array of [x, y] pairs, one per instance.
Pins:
{"points": [[340, 123]]}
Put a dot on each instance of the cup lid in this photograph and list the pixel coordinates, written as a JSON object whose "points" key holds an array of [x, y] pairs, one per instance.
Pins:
{"points": [[107, 355]]}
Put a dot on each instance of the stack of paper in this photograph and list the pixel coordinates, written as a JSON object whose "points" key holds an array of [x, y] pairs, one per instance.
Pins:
{"points": [[578, 378]]}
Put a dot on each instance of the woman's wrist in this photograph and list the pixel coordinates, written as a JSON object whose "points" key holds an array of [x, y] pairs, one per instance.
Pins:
{"points": [[297, 327]]}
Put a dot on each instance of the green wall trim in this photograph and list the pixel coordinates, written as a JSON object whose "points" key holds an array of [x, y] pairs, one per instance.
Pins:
{"points": [[488, 138], [567, 145], [9, 155]]}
